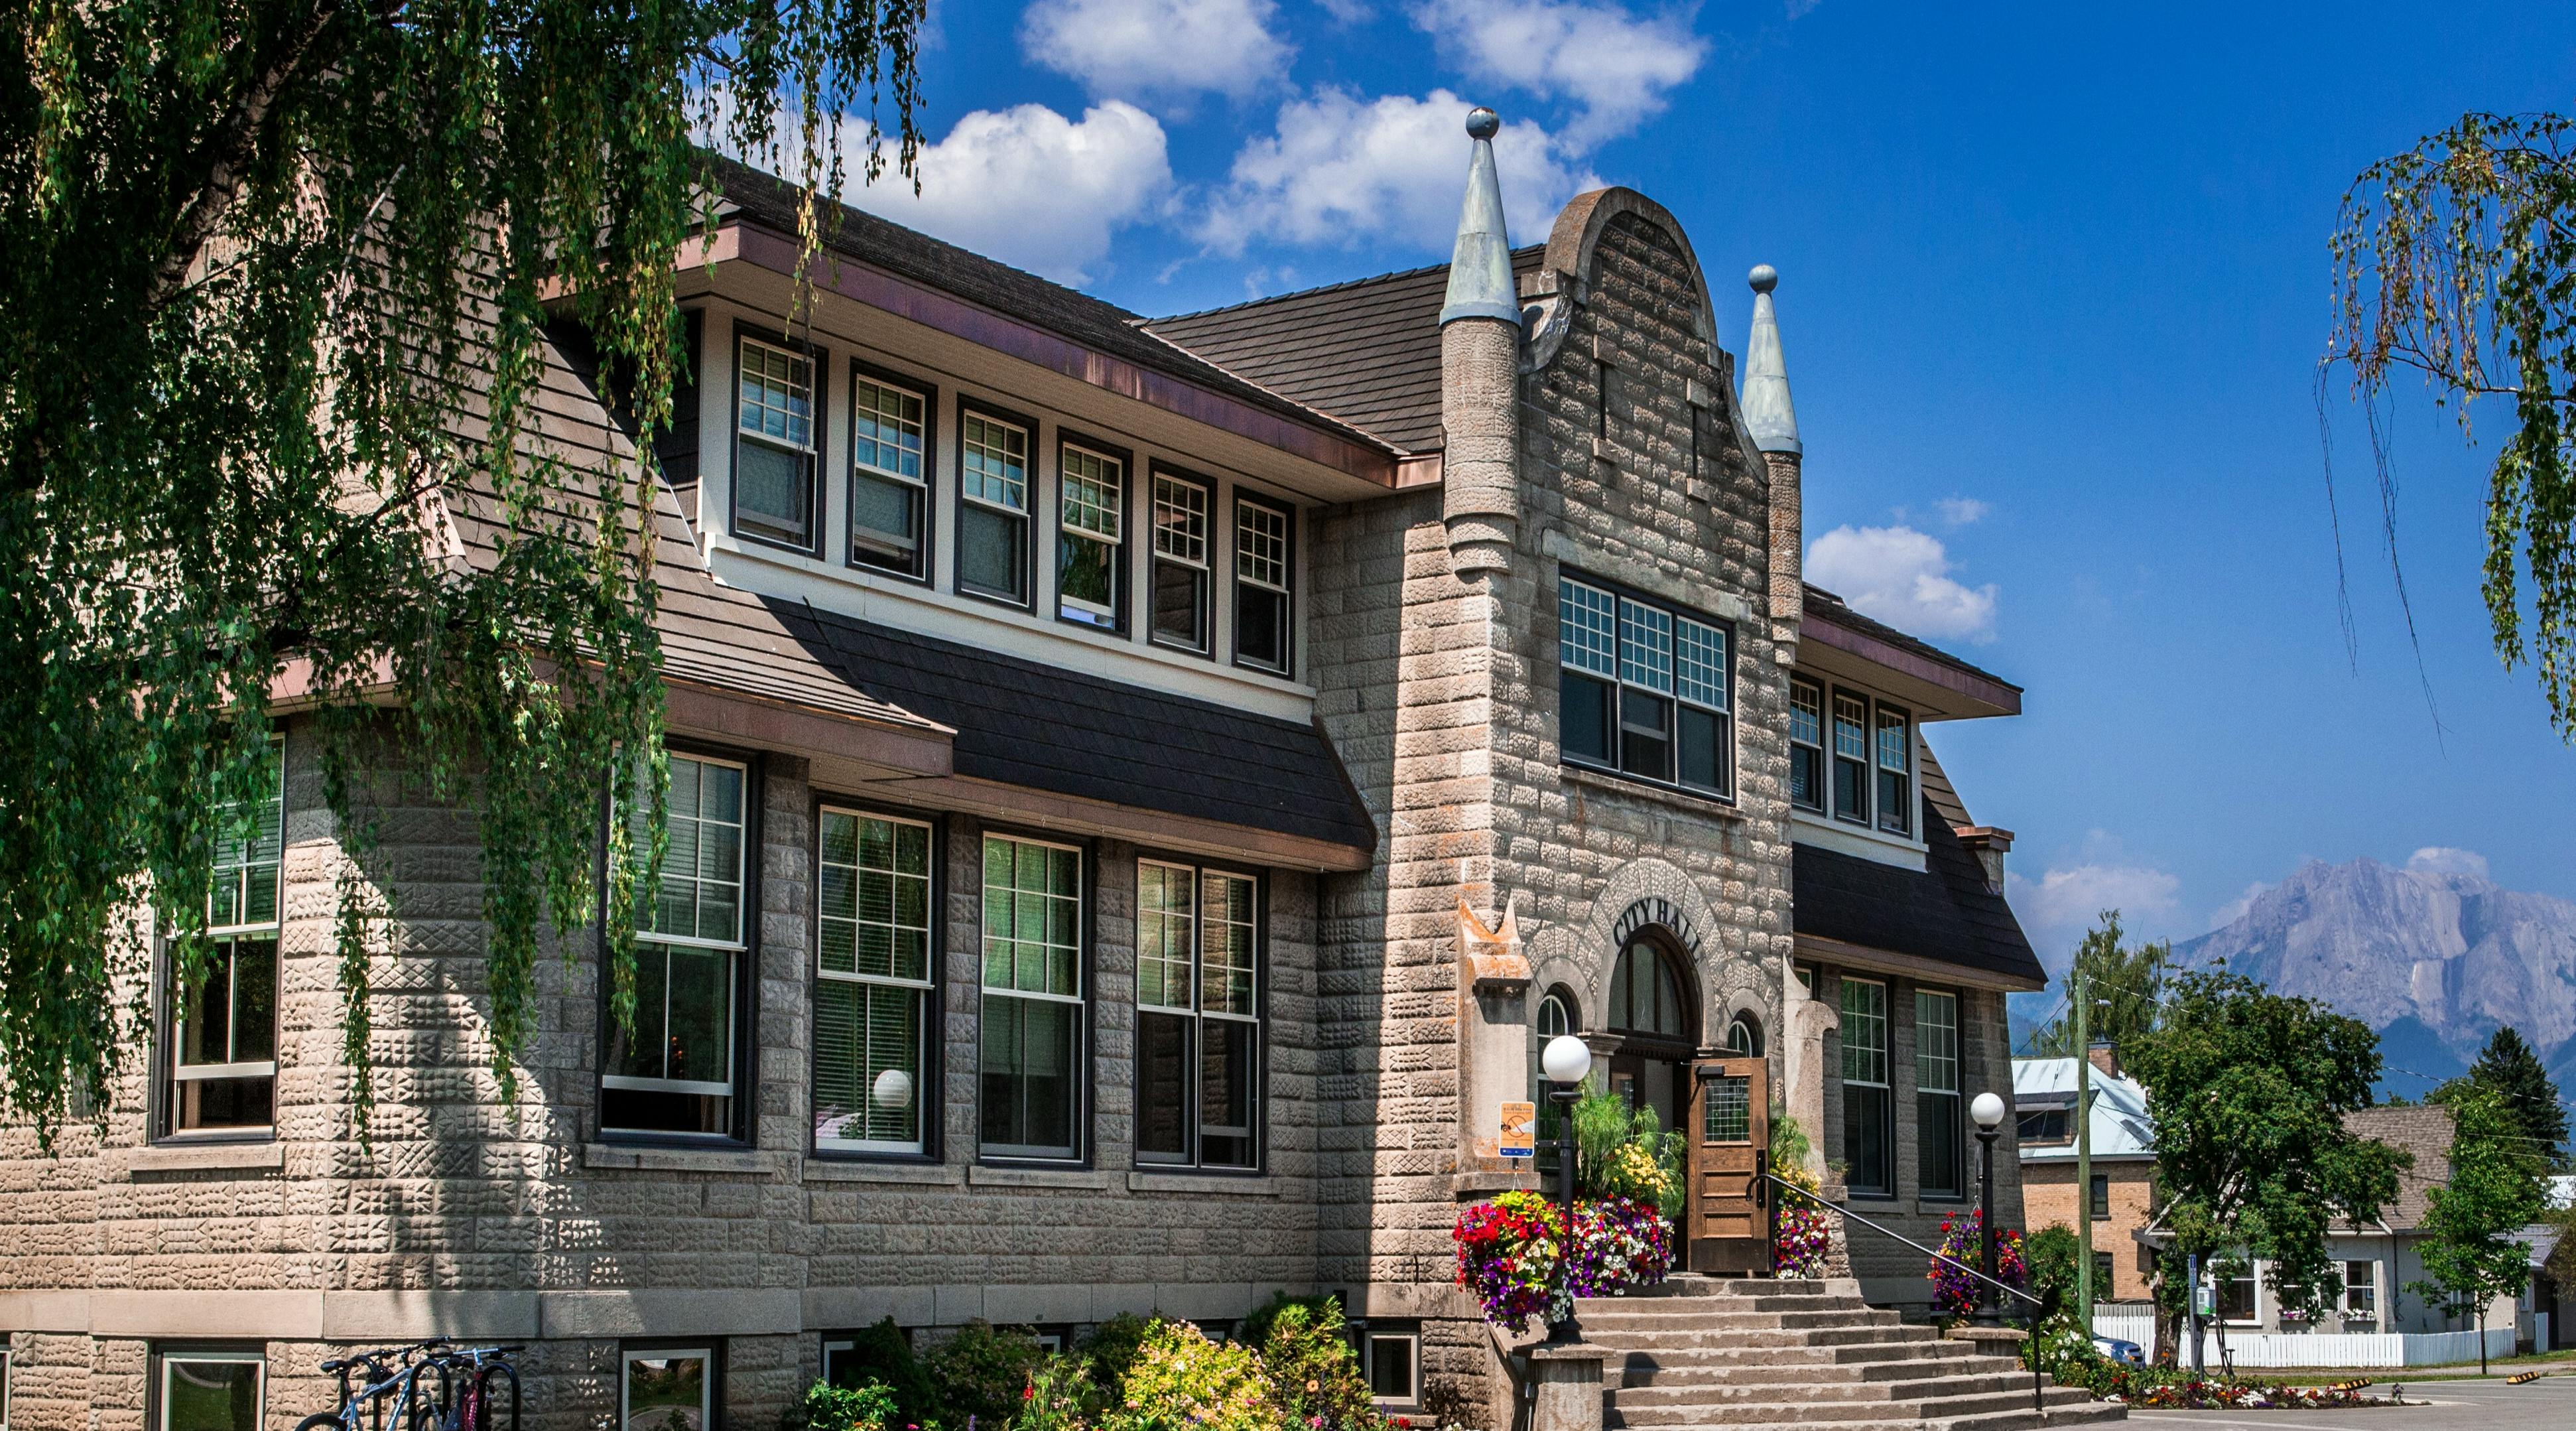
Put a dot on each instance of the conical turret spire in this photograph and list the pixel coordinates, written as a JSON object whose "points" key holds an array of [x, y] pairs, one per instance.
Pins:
{"points": [[1768, 416], [1480, 270]]}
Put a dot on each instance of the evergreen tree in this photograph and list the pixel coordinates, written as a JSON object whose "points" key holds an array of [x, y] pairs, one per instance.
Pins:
{"points": [[2509, 1069]]}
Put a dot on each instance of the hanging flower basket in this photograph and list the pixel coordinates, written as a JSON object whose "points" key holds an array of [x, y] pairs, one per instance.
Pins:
{"points": [[1508, 1252], [1803, 1243], [1954, 1292]]}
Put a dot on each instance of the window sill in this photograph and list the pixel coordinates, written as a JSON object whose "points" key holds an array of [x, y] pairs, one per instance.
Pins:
{"points": [[1092, 1179], [207, 1157], [1203, 1184], [1646, 790], [818, 1170], [638, 1157]]}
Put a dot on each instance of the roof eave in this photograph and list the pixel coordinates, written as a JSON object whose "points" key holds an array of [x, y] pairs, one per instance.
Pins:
{"points": [[1973, 693]]}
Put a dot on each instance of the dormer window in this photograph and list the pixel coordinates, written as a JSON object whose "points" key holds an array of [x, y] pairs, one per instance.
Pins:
{"points": [[1180, 563], [993, 508], [1091, 545], [774, 444], [1895, 771], [1263, 562], [1851, 758], [889, 476], [1807, 745]]}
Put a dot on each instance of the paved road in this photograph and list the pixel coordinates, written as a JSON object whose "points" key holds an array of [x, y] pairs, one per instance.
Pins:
{"points": [[2548, 1404]]}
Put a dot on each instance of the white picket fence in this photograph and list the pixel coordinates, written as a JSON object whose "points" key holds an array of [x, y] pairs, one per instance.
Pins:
{"points": [[2287, 1349]]}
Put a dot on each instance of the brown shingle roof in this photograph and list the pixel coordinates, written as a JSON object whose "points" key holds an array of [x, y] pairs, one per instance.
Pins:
{"points": [[1944, 912], [2424, 1132]]}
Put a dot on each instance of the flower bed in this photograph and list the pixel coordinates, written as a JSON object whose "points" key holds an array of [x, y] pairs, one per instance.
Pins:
{"points": [[1508, 1252]]}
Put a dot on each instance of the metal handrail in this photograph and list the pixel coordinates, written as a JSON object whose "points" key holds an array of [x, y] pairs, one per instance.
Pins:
{"points": [[1846, 1213]]}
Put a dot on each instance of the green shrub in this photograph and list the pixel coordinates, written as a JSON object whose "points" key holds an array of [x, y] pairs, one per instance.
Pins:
{"points": [[869, 1407], [1111, 1349], [1625, 1152], [980, 1372], [2051, 1253], [1314, 1376], [1181, 1381], [883, 1354], [1254, 1330], [1060, 1397]]}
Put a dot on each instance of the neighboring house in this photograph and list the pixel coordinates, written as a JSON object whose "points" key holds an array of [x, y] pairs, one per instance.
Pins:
{"points": [[2120, 1196], [1140, 792]]}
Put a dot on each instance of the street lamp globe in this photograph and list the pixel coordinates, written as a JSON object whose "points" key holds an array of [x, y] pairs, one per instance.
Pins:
{"points": [[1987, 1110], [893, 1090], [1566, 1059]]}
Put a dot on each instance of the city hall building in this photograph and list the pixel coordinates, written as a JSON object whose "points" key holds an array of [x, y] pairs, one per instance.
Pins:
{"points": [[1142, 789]]}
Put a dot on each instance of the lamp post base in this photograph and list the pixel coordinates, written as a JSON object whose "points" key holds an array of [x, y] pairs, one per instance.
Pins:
{"points": [[1567, 1378]]}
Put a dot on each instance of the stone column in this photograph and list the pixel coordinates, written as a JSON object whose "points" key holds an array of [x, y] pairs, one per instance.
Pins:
{"points": [[1568, 1379]]}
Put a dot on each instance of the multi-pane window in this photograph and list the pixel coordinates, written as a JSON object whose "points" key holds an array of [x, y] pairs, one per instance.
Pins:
{"points": [[1180, 563], [889, 477], [676, 1074], [1868, 1134], [1198, 1017], [1807, 745], [993, 508], [773, 450], [2361, 1291], [666, 1388], [1033, 1011], [1091, 544], [2097, 1197], [1939, 1144], [1726, 1105], [1851, 758], [2042, 1125], [1263, 565], [222, 1063], [872, 982], [1895, 771], [1643, 690], [1555, 1018], [212, 1391]]}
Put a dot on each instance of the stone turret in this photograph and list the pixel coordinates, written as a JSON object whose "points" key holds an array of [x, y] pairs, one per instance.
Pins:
{"points": [[1480, 334], [1773, 424]]}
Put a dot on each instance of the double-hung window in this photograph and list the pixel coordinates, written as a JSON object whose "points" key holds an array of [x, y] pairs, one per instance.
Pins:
{"points": [[2360, 1292], [1895, 771], [871, 982], [1807, 745], [993, 508], [1031, 1070], [1851, 758], [212, 1391], [1091, 543], [222, 1067], [1264, 562], [1198, 1016], [1181, 551], [774, 443], [889, 476], [1868, 1137], [1643, 690], [677, 1073], [1939, 1147]]}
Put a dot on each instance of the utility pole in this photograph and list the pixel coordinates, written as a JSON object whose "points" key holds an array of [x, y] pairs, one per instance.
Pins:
{"points": [[2083, 1152]]}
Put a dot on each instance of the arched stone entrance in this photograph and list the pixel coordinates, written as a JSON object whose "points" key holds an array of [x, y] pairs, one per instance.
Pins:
{"points": [[1653, 1011]]}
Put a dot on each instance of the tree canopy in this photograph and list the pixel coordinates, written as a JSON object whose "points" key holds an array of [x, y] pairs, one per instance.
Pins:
{"points": [[2509, 1069], [2248, 1091], [270, 317], [2123, 980], [2456, 261]]}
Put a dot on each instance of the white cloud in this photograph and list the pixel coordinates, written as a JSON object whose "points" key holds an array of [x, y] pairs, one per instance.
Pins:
{"points": [[1137, 48], [1030, 187], [1341, 170], [2237, 908], [1902, 577], [2068, 899], [1616, 64], [1961, 511], [2442, 859]]}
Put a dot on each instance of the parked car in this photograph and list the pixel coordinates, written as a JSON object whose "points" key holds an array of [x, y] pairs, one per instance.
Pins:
{"points": [[2119, 1350]]}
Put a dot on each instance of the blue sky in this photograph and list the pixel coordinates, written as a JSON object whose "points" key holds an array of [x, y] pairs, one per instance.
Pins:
{"points": [[2054, 286]]}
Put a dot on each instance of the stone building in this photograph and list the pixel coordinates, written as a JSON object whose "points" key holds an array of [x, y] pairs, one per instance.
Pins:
{"points": [[1142, 789]]}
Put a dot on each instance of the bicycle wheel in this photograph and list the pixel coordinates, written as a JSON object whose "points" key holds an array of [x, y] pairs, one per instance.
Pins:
{"points": [[320, 1421]]}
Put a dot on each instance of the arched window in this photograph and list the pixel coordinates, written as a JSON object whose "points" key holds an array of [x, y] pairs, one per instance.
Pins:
{"points": [[1744, 1036], [1646, 993], [1555, 1016]]}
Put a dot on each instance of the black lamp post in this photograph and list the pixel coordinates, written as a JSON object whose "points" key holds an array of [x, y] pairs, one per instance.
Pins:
{"points": [[1988, 1113], [1566, 1060]]}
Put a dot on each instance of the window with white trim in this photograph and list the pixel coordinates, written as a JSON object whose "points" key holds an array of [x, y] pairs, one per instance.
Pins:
{"points": [[1851, 758], [666, 1388], [1868, 1135], [1030, 1083], [1198, 1016], [2360, 1292], [1180, 576], [1091, 540], [1264, 565], [1940, 1147], [212, 1391], [677, 1074], [993, 508], [889, 477], [1394, 1358], [773, 450], [221, 1067], [1644, 690], [1895, 748], [871, 981], [1807, 745]]}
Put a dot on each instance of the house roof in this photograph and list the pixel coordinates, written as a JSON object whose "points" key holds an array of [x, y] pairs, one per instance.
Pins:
{"points": [[1944, 912], [1367, 351], [1823, 605], [2121, 1128], [2424, 1131]]}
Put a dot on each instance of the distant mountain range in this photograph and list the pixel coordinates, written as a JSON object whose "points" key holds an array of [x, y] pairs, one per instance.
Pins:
{"points": [[2433, 957]]}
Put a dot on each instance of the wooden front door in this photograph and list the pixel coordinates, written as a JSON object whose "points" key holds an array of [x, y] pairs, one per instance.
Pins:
{"points": [[1728, 1221]]}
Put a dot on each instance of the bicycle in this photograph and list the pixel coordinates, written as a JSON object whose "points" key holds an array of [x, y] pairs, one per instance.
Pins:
{"points": [[400, 1379]]}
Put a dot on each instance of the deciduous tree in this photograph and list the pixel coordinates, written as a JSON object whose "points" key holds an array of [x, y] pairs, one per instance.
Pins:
{"points": [[2123, 980], [2495, 1189]]}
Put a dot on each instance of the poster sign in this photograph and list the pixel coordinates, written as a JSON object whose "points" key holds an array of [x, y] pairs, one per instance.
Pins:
{"points": [[1520, 1130]]}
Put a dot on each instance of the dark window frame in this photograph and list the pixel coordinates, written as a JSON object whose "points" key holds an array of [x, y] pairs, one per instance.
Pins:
{"points": [[1835, 759], [1154, 559], [931, 1087], [1086, 1080], [1122, 564], [1962, 1178], [2097, 1198], [818, 386], [1287, 593], [862, 370], [743, 1123], [1821, 785], [1900, 820], [1884, 1089], [1619, 688], [1195, 1163], [968, 405]]}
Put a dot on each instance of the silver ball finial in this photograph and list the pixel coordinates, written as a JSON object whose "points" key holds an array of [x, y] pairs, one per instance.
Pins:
{"points": [[1483, 123], [1764, 278]]}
